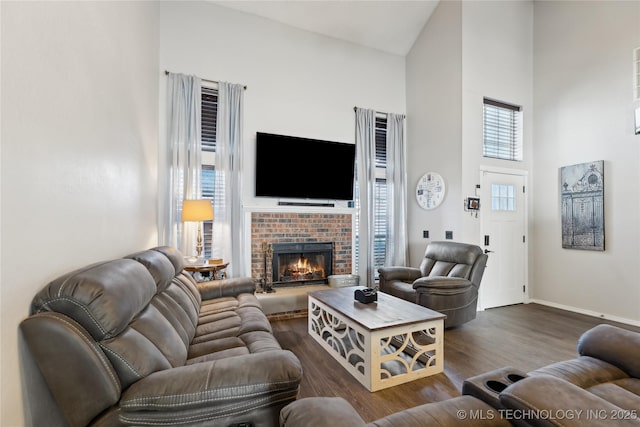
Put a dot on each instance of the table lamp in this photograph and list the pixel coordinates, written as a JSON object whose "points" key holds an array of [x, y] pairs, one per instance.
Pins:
{"points": [[197, 211]]}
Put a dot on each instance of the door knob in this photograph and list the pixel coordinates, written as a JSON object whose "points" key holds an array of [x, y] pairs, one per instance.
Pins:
{"points": [[487, 251]]}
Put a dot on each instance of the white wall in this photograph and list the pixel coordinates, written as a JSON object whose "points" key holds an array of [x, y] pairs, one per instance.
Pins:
{"points": [[434, 115], [299, 83], [497, 46], [79, 150], [584, 112], [467, 50]]}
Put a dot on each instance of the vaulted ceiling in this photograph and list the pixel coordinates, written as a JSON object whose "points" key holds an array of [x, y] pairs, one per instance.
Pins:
{"points": [[391, 25]]}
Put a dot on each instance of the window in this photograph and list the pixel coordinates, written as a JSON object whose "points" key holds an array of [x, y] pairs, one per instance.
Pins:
{"points": [[502, 130], [209, 115], [380, 226], [503, 197]]}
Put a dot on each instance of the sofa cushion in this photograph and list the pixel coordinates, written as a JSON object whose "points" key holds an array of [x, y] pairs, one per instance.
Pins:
{"points": [[400, 289], [140, 332], [104, 298], [622, 393], [543, 400], [159, 266], [174, 255], [205, 393], [617, 346], [176, 307], [583, 371], [450, 259], [443, 414]]}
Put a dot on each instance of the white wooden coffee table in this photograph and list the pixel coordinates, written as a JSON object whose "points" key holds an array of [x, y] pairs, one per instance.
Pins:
{"points": [[382, 344]]}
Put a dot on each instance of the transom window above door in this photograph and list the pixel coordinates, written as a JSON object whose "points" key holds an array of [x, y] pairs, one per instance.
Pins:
{"points": [[502, 128]]}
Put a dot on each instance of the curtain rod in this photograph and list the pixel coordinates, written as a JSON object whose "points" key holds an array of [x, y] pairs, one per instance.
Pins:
{"points": [[404, 116], [166, 73]]}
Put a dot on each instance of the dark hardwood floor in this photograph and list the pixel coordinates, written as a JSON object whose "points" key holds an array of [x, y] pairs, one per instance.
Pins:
{"points": [[525, 336]]}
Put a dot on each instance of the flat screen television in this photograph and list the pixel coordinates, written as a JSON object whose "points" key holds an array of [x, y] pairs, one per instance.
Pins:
{"points": [[303, 168]]}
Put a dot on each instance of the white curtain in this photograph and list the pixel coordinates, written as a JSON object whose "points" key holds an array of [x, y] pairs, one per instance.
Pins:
{"points": [[396, 192], [184, 160], [366, 175], [228, 226]]}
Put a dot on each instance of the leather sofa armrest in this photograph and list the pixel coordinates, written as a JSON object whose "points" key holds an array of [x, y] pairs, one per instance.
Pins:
{"points": [[320, 411], [226, 288], [441, 282], [613, 345], [544, 400], [207, 389], [406, 274]]}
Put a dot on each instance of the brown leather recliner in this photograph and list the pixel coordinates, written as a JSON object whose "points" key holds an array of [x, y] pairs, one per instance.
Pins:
{"points": [[136, 341], [447, 280]]}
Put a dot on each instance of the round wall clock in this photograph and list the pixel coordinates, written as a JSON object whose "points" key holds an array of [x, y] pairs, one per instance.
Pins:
{"points": [[430, 190]]}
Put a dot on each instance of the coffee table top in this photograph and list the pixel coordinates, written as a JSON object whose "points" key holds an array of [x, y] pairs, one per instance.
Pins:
{"points": [[388, 311]]}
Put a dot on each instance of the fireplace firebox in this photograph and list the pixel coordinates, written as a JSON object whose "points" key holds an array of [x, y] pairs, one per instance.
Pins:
{"points": [[301, 263]]}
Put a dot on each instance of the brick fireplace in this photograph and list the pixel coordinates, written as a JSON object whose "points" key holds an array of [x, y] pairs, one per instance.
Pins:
{"points": [[273, 227]]}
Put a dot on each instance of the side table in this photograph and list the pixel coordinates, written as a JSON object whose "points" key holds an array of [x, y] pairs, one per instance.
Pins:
{"points": [[205, 272]]}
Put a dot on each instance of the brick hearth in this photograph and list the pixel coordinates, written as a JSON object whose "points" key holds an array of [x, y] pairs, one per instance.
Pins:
{"points": [[268, 227]]}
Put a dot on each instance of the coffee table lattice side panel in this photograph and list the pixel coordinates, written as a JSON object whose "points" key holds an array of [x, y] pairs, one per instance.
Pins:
{"points": [[380, 358]]}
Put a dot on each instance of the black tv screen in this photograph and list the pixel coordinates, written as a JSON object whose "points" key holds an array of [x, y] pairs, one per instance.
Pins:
{"points": [[302, 168]]}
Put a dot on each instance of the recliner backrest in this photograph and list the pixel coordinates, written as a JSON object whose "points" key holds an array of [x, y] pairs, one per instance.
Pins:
{"points": [[139, 312], [177, 297], [123, 319], [450, 259]]}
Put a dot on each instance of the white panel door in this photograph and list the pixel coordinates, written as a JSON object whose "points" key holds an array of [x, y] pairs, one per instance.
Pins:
{"points": [[503, 235]]}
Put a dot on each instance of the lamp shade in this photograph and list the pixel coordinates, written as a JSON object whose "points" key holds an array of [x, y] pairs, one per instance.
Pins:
{"points": [[197, 210]]}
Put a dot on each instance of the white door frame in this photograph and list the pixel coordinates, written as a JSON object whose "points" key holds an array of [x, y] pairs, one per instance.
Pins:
{"points": [[525, 175]]}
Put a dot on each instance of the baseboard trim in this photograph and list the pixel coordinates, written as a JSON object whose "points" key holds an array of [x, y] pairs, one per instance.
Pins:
{"points": [[586, 312]]}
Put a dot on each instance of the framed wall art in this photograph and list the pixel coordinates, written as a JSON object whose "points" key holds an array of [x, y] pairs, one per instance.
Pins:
{"points": [[582, 209]]}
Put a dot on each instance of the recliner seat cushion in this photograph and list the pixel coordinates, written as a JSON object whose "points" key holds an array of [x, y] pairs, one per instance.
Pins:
{"points": [[623, 393], [401, 289]]}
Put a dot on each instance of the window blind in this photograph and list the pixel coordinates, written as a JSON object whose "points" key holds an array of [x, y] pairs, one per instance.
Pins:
{"points": [[502, 126], [209, 111], [209, 117], [381, 142], [380, 224]]}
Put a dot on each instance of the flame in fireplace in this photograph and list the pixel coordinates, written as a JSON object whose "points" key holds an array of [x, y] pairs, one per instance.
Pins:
{"points": [[303, 269]]}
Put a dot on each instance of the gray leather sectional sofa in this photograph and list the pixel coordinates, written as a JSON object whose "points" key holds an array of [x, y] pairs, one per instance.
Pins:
{"points": [[600, 387], [136, 341]]}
